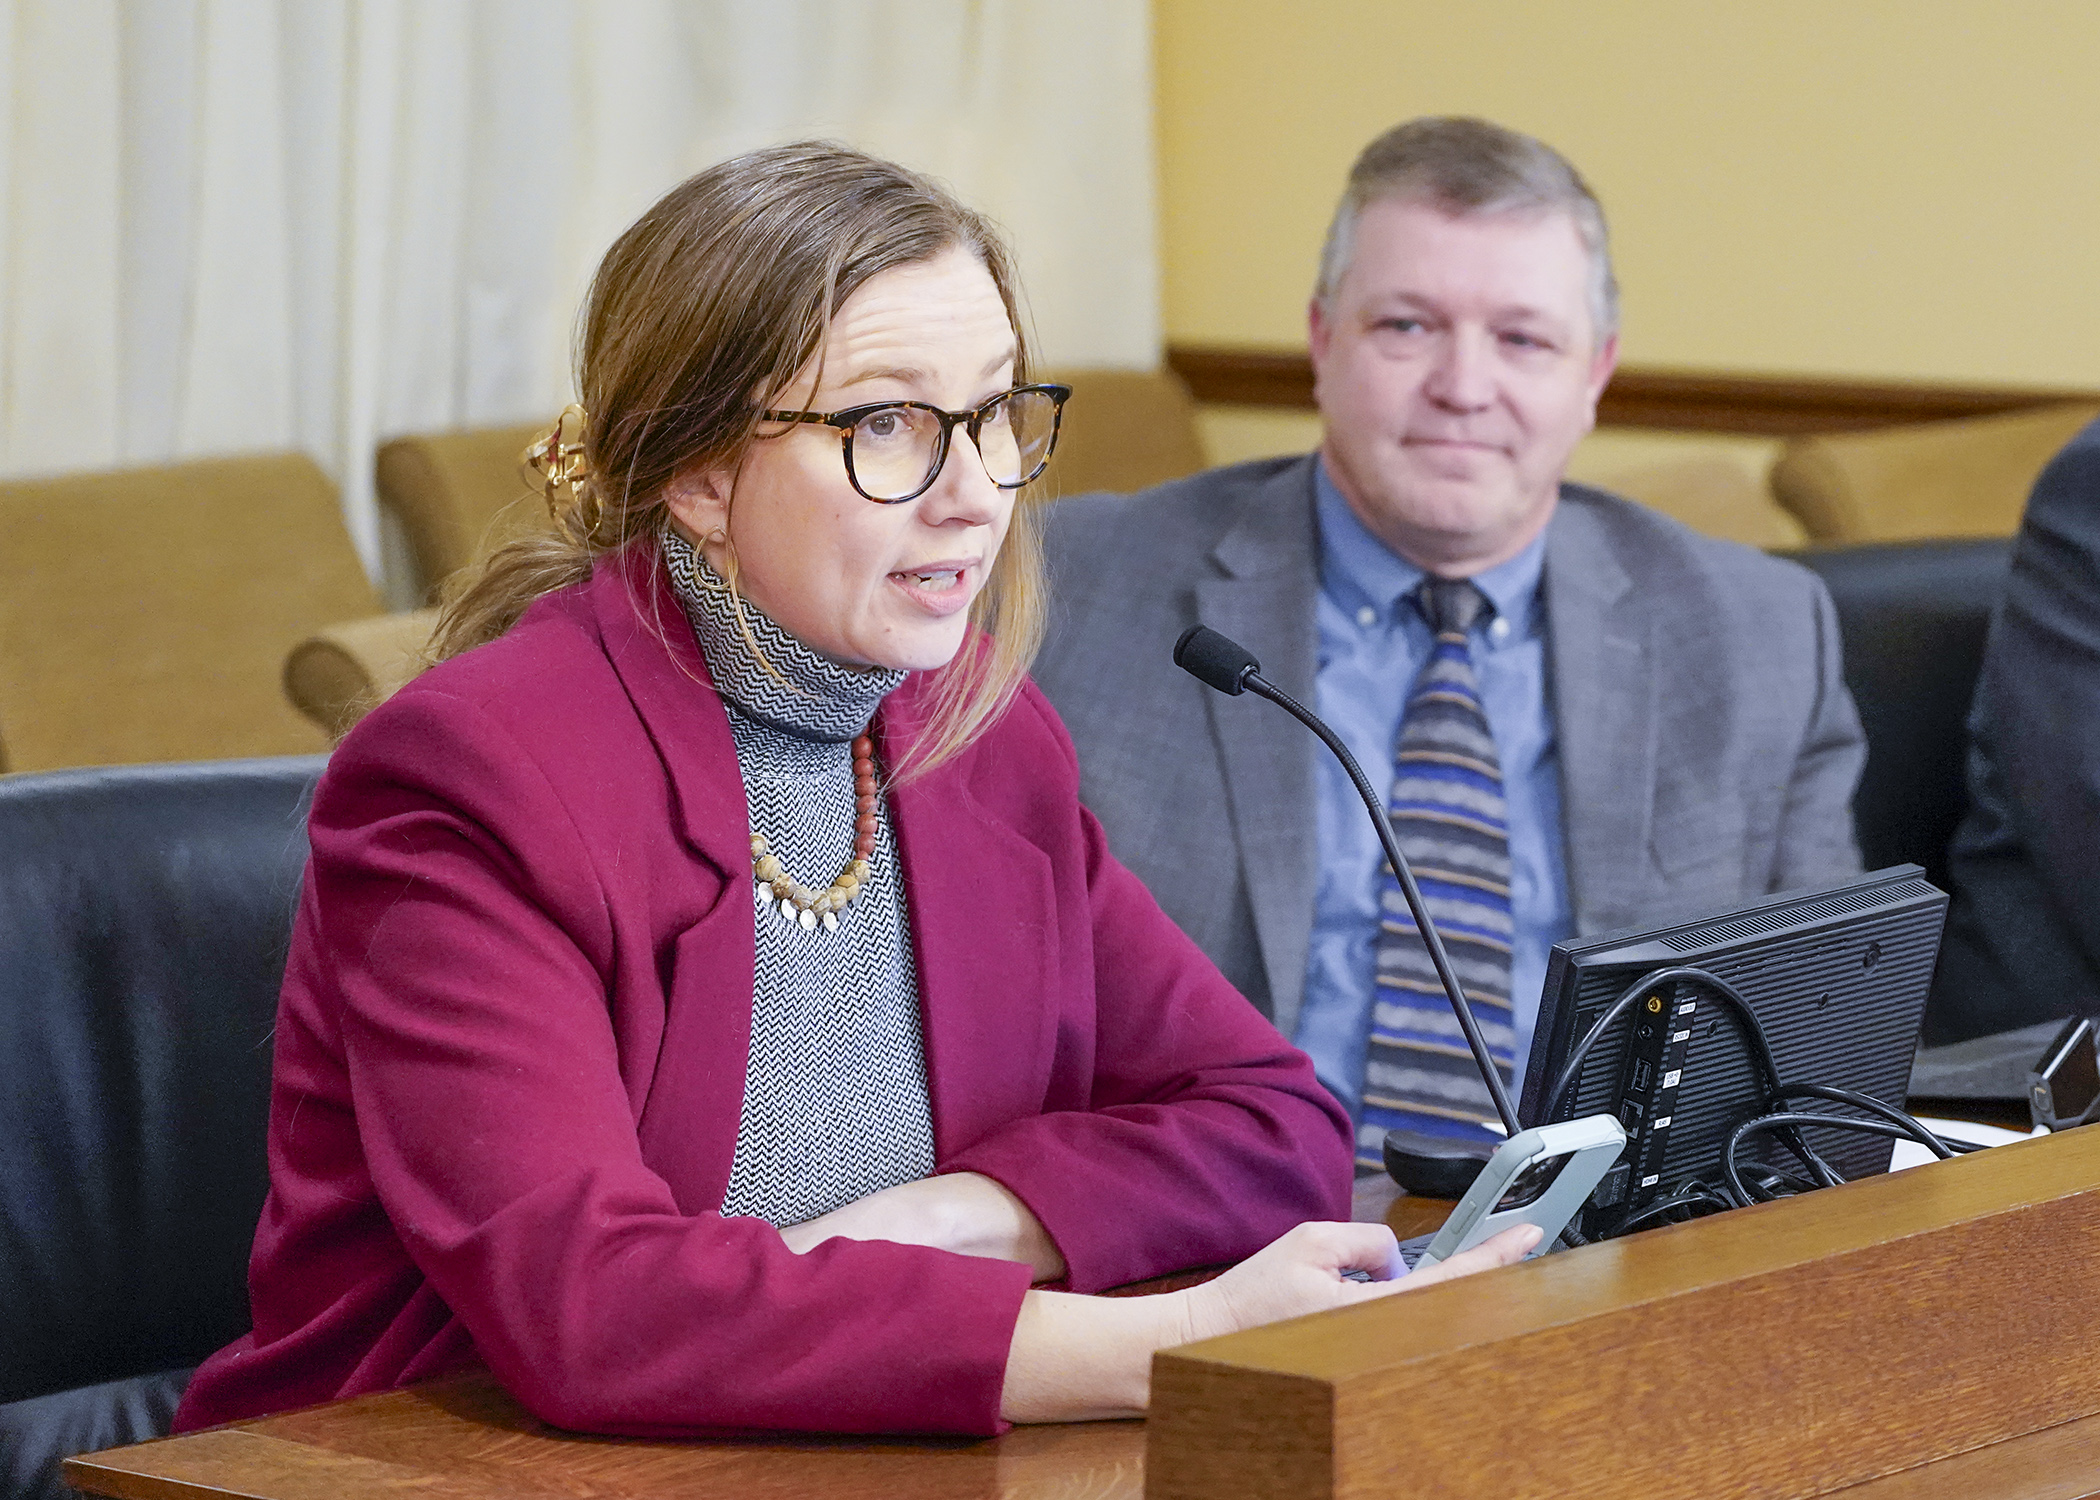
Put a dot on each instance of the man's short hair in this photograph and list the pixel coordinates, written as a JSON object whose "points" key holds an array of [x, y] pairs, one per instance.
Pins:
{"points": [[1467, 166]]}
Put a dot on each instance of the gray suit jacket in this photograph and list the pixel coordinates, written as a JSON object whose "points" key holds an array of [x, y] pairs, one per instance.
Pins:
{"points": [[1708, 747], [2023, 942]]}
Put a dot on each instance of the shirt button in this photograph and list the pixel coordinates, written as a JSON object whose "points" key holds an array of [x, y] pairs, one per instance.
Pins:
{"points": [[1367, 617], [1498, 632]]}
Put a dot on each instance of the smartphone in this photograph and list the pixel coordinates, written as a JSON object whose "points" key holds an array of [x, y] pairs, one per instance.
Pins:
{"points": [[1539, 1176], [2063, 1090]]}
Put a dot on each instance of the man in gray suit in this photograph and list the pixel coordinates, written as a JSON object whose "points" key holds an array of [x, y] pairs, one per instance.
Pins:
{"points": [[1664, 730]]}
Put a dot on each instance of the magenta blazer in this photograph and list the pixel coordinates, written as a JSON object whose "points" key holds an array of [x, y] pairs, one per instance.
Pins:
{"points": [[511, 1046]]}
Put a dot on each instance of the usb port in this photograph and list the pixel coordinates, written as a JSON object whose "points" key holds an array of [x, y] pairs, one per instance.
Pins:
{"points": [[1642, 1072]]}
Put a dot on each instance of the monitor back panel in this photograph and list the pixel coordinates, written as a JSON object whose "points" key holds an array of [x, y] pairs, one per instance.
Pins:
{"points": [[1838, 981]]}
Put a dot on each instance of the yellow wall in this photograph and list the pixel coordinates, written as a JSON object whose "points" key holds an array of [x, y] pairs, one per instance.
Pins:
{"points": [[1843, 187]]}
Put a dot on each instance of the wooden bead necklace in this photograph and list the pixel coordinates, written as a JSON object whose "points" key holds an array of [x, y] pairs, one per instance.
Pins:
{"points": [[799, 903]]}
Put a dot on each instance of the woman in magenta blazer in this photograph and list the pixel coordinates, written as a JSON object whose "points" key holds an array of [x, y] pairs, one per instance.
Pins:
{"points": [[590, 1069]]}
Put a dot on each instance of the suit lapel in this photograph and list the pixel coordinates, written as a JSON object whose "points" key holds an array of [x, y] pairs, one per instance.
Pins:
{"points": [[1265, 600], [651, 645], [1601, 631], [689, 1112]]}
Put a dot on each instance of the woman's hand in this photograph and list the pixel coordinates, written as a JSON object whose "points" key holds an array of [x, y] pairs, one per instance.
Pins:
{"points": [[1302, 1273], [965, 1212], [1077, 1358]]}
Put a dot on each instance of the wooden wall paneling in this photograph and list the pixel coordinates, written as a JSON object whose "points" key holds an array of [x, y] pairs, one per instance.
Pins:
{"points": [[1677, 400]]}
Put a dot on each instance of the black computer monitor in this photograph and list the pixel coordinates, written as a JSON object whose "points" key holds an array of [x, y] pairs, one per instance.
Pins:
{"points": [[1837, 978]]}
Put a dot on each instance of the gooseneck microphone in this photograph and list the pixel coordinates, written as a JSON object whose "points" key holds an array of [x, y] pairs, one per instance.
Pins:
{"points": [[1223, 663]]}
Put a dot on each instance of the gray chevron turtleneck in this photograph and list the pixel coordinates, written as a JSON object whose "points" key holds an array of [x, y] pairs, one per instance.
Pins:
{"points": [[835, 1100]]}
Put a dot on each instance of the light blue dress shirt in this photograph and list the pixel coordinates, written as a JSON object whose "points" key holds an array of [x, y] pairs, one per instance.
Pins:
{"points": [[1373, 641]]}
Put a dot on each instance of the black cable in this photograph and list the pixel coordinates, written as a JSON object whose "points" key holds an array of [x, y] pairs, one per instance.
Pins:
{"points": [[1855, 1100], [1774, 1181], [1689, 1200], [1653, 979], [1752, 1029], [1783, 1120], [1796, 1119]]}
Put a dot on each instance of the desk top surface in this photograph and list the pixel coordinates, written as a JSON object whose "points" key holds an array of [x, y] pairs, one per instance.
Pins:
{"points": [[462, 1438], [468, 1439]]}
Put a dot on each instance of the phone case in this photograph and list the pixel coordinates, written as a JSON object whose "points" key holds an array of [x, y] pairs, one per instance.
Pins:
{"points": [[1565, 1160]]}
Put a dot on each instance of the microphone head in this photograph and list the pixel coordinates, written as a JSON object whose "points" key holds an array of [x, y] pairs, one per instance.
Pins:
{"points": [[1218, 660]]}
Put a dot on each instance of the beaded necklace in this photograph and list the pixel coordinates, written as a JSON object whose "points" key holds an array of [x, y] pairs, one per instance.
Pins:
{"points": [[778, 681], [798, 902]]}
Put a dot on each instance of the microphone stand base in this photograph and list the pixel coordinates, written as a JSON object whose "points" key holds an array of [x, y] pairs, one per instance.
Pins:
{"points": [[1434, 1166]]}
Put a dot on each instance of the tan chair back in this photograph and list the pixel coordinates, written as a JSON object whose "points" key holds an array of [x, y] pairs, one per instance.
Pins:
{"points": [[458, 496], [1938, 479], [145, 614], [338, 675], [1714, 495]]}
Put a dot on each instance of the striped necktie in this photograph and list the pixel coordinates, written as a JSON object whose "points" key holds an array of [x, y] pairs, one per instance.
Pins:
{"points": [[1447, 809]]}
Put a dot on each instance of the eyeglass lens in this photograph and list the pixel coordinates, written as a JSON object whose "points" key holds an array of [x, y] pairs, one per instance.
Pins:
{"points": [[897, 450]]}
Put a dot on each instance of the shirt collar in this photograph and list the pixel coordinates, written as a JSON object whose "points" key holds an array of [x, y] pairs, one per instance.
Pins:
{"points": [[1358, 570]]}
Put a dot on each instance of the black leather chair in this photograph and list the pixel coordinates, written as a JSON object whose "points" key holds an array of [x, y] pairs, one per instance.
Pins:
{"points": [[144, 916], [1914, 616]]}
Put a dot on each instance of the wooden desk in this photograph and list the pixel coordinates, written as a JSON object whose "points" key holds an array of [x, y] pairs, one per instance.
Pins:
{"points": [[466, 1439], [1928, 1332]]}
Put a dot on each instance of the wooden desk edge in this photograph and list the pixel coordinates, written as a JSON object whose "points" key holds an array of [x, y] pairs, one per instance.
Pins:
{"points": [[1841, 1321]]}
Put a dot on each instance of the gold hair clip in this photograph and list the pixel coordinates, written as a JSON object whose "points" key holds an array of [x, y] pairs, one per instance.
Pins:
{"points": [[556, 466]]}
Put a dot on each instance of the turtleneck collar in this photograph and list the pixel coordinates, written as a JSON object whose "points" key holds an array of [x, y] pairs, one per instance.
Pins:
{"points": [[813, 697]]}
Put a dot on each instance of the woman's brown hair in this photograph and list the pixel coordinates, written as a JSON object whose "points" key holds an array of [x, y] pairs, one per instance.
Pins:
{"points": [[703, 312]]}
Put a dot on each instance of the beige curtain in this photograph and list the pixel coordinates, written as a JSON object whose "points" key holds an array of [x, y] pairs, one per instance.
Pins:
{"points": [[254, 224]]}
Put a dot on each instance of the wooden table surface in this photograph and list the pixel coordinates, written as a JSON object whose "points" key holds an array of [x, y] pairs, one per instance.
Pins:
{"points": [[467, 1439]]}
